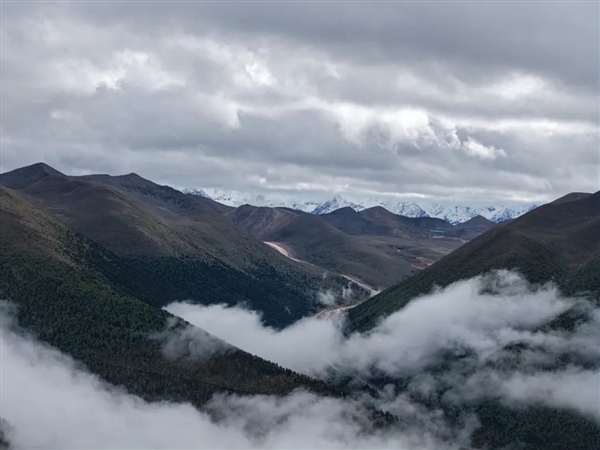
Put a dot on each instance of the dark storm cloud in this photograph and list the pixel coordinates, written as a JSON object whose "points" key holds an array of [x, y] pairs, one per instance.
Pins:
{"points": [[459, 101]]}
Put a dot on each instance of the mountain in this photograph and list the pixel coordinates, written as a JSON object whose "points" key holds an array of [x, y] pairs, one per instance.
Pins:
{"points": [[68, 293], [236, 198], [473, 227], [559, 241], [453, 214], [381, 222], [181, 246], [336, 203], [408, 209], [378, 252], [197, 193]]}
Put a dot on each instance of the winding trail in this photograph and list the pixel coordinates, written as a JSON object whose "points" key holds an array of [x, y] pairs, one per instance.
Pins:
{"points": [[285, 252], [372, 291]]}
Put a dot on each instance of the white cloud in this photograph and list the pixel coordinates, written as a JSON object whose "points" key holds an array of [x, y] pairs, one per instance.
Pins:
{"points": [[474, 148], [481, 316], [379, 119], [49, 401], [52, 402]]}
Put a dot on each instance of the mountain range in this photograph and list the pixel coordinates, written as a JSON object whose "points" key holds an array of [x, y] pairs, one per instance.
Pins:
{"points": [[453, 214], [90, 262], [178, 246], [558, 242]]}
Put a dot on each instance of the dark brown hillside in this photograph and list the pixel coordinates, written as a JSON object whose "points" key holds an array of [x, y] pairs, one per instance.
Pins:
{"points": [[378, 260], [176, 241], [552, 242], [21, 178], [472, 228], [382, 216]]}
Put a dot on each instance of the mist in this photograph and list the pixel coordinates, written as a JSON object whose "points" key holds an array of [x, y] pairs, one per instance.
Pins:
{"points": [[55, 402], [478, 320]]}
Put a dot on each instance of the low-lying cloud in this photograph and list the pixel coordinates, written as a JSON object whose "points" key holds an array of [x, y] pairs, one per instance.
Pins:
{"points": [[478, 320], [477, 339], [51, 401]]}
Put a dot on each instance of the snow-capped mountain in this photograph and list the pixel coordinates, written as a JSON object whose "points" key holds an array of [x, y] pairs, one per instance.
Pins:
{"points": [[236, 198], [459, 214], [408, 209], [336, 203], [450, 213], [197, 193]]}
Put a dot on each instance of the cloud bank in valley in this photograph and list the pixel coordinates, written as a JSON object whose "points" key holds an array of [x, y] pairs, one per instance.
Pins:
{"points": [[468, 332], [53, 402], [479, 319]]}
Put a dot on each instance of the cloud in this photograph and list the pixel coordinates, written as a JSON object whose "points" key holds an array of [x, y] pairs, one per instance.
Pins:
{"points": [[179, 340], [477, 320], [312, 341], [395, 99], [51, 401]]}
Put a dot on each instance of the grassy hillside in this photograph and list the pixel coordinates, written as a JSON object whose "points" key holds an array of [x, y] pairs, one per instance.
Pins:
{"points": [[180, 246], [51, 274], [553, 242], [379, 221], [345, 242]]}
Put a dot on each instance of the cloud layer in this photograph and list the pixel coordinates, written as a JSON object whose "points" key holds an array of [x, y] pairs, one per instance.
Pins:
{"points": [[456, 346], [50, 401], [462, 101], [479, 320]]}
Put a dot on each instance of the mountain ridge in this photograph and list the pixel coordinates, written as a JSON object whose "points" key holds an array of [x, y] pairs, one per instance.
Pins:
{"points": [[55, 277], [551, 243], [452, 213], [180, 245]]}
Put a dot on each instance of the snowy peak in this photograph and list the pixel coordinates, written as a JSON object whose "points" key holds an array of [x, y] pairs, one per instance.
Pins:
{"points": [[459, 214], [409, 209], [336, 203], [235, 199], [197, 193], [453, 214]]}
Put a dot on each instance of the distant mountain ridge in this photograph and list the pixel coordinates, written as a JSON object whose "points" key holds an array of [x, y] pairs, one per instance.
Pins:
{"points": [[453, 214], [558, 242]]}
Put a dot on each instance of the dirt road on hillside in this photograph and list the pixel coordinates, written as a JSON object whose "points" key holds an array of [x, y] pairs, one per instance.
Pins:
{"points": [[285, 252]]}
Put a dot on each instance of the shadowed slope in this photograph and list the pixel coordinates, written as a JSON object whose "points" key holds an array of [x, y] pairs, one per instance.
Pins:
{"points": [[177, 242], [552, 242], [51, 274]]}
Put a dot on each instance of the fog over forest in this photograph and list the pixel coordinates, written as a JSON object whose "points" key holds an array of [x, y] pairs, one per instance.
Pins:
{"points": [[55, 403]]}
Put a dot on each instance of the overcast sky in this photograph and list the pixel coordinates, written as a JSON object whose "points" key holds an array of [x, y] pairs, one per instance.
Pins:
{"points": [[462, 101]]}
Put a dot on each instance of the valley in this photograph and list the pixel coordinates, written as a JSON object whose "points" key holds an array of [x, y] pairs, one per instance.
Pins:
{"points": [[93, 266], [299, 225]]}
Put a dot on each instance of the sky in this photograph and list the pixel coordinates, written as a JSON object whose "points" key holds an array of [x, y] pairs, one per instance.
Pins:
{"points": [[453, 101]]}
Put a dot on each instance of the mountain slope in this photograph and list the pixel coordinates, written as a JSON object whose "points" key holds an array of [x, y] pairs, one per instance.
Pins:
{"points": [[473, 227], [51, 274], [344, 242], [179, 244], [552, 242]]}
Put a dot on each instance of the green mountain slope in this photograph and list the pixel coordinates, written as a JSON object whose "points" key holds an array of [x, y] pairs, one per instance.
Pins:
{"points": [[552, 242], [51, 274], [181, 246]]}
